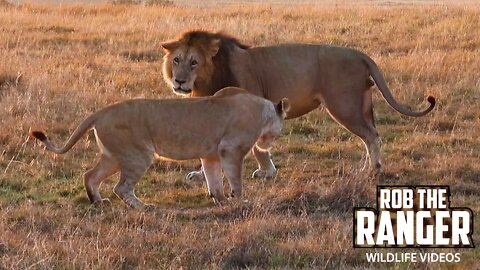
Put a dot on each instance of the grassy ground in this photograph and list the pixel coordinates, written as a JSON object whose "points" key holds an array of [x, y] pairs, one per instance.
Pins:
{"points": [[58, 64]]}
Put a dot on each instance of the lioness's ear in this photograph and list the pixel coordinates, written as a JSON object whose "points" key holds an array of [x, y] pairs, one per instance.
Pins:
{"points": [[283, 107], [214, 46], [169, 46]]}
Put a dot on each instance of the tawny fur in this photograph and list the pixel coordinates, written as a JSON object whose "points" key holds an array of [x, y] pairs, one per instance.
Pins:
{"points": [[220, 130], [308, 75]]}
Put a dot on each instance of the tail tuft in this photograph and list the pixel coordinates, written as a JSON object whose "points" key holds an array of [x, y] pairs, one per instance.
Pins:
{"points": [[39, 135], [432, 101]]}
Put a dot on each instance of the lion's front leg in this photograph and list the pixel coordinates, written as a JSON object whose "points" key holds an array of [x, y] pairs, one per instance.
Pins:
{"points": [[213, 174], [266, 168]]}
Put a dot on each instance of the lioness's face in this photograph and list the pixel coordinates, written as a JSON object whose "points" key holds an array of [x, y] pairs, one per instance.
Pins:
{"points": [[273, 129], [270, 134]]}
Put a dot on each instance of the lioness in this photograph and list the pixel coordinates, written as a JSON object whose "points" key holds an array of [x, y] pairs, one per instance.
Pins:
{"points": [[220, 130], [199, 63]]}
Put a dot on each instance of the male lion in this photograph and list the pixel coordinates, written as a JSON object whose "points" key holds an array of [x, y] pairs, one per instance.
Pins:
{"points": [[220, 130], [199, 63]]}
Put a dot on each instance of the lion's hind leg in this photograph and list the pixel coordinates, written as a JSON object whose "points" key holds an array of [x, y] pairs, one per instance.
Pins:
{"points": [[355, 114], [372, 142], [367, 133], [105, 168]]}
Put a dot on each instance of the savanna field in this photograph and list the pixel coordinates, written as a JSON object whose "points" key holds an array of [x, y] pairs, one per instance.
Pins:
{"points": [[60, 63]]}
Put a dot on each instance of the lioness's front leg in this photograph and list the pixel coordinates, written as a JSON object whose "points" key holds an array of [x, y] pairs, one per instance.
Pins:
{"points": [[213, 174], [232, 168], [266, 168]]}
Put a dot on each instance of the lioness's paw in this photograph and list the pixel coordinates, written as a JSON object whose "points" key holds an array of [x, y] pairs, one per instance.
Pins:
{"points": [[258, 173], [149, 207], [219, 200], [236, 201], [196, 176]]}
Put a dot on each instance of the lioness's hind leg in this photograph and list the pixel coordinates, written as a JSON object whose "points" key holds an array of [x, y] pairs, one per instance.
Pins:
{"points": [[105, 168], [130, 174], [213, 175]]}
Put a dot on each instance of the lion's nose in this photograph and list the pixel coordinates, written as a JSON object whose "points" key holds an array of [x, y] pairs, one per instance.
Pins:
{"points": [[180, 81]]}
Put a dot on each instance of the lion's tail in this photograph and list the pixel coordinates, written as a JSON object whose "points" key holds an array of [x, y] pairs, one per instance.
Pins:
{"points": [[86, 125], [387, 95]]}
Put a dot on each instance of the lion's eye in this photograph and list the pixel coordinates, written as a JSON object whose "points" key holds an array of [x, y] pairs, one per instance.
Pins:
{"points": [[194, 63], [176, 60]]}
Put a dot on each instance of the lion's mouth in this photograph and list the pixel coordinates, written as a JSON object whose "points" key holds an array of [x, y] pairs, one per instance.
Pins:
{"points": [[182, 91]]}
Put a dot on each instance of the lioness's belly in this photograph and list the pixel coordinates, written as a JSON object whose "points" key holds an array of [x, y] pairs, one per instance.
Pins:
{"points": [[182, 150]]}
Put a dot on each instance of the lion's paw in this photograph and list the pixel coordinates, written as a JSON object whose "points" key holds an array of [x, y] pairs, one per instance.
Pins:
{"points": [[196, 176], [103, 202], [258, 173], [106, 202]]}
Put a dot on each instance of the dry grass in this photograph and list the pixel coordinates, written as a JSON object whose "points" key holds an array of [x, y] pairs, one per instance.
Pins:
{"points": [[60, 63]]}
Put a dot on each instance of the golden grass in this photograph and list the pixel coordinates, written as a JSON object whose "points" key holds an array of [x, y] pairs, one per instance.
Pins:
{"points": [[60, 63]]}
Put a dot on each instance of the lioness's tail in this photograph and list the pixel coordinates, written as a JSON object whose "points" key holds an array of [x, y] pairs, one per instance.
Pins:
{"points": [[387, 95], [86, 125]]}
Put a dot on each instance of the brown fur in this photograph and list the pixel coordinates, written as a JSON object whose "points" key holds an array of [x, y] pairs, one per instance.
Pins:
{"points": [[39, 135], [219, 130], [309, 75], [217, 75]]}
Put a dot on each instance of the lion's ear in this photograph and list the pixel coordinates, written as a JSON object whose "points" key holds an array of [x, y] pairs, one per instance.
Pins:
{"points": [[214, 46], [170, 46], [283, 107]]}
